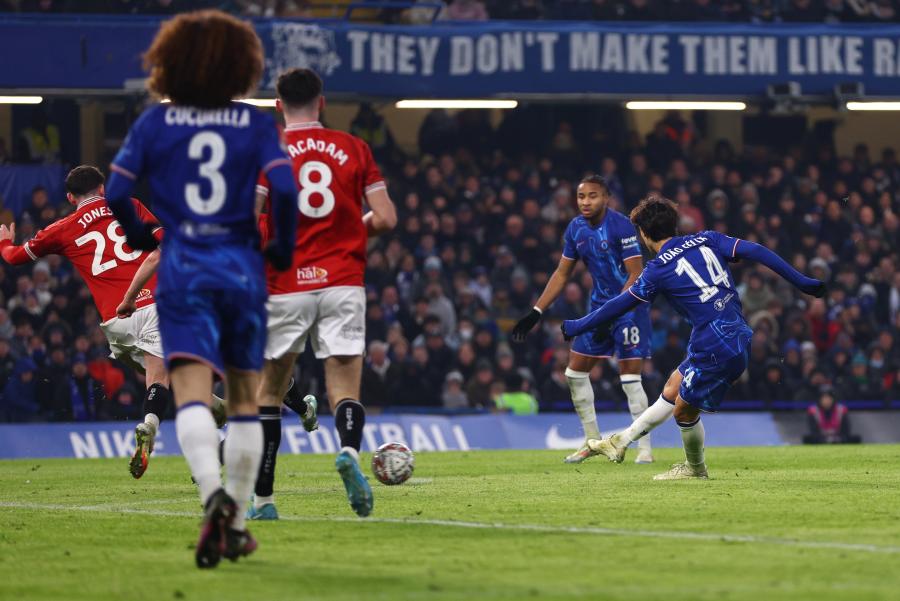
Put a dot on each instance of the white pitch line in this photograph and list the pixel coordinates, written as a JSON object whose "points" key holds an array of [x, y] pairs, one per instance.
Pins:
{"points": [[597, 531]]}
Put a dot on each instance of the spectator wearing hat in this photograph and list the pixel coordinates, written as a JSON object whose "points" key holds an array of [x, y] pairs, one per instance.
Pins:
{"points": [[453, 396], [829, 422]]}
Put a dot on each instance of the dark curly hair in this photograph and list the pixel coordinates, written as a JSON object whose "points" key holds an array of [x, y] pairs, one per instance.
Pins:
{"points": [[204, 59], [656, 216]]}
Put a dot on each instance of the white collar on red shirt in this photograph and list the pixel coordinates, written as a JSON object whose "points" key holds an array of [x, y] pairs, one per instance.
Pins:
{"points": [[88, 200], [303, 125]]}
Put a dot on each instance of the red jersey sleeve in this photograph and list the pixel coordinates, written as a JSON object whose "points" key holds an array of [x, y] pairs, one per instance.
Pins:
{"points": [[48, 241], [262, 184], [372, 178], [146, 216]]}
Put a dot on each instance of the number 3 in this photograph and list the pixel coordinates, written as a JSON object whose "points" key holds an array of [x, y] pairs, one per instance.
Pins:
{"points": [[208, 170]]}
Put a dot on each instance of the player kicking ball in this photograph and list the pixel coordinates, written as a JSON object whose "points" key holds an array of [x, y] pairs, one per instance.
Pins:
{"points": [[322, 296], [93, 241], [201, 155], [607, 243], [692, 273]]}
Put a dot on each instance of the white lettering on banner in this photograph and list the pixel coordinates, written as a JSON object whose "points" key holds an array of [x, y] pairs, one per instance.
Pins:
{"points": [[487, 51], [438, 436], [714, 55], [392, 433], [637, 53], [419, 440], [124, 443], [405, 55], [659, 54], [462, 55], [382, 52], [512, 52], [547, 40], [428, 48], [762, 56], [459, 434], [369, 437], [584, 51], [833, 55], [729, 55], [689, 43], [885, 57], [737, 55], [613, 59], [104, 444], [358, 49], [320, 441], [296, 438], [84, 447]]}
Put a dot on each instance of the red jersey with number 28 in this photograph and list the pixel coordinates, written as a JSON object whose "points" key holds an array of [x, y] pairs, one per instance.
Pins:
{"points": [[334, 171], [94, 242]]}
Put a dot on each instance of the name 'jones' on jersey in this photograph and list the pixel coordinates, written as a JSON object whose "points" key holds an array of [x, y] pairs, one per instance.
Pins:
{"points": [[334, 171]]}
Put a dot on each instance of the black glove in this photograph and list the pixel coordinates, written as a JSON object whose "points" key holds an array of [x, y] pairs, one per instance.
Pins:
{"points": [[819, 290], [281, 261], [142, 238], [603, 331], [525, 325]]}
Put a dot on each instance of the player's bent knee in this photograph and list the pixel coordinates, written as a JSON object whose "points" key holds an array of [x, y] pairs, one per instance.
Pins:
{"points": [[685, 413], [576, 375]]}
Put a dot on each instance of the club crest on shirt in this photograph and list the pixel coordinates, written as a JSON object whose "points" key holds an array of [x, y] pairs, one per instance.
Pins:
{"points": [[722, 302], [311, 275]]}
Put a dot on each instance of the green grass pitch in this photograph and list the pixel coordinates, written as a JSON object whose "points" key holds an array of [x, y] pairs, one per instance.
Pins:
{"points": [[771, 523]]}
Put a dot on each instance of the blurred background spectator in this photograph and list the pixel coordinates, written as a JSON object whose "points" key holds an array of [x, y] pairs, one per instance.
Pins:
{"points": [[829, 422]]}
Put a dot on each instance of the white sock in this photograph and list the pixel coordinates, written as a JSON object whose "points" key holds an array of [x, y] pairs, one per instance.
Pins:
{"points": [[692, 437], [199, 440], [243, 453], [259, 501], [352, 452], [637, 403], [655, 415], [583, 399], [153, 420]]}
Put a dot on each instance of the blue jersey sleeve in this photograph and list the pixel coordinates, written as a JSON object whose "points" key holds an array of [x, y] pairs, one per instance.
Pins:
{"points": [[283, 189], [569, 249], [627, 240], [129, 161], [125, 169], [725, 245], [271, 151], [646, 287]]}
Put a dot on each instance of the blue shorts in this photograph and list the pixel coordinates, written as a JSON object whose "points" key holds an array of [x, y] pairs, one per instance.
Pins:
{"points": [[707, 378], [222, 328], [629, 338]]}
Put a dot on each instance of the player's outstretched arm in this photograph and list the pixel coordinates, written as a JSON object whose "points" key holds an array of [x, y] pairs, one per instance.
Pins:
{"points": [[383, 215], [745, 249], [280, 251], [610, 310], [12, 254], [129, 302], [552, 290], [118, 198]]}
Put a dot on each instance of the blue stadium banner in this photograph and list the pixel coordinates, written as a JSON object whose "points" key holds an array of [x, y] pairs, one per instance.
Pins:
{"points": [[421, 432], [504, 59]]}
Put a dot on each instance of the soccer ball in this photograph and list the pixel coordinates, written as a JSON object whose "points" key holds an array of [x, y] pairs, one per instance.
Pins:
{"points": [[393, 463]]}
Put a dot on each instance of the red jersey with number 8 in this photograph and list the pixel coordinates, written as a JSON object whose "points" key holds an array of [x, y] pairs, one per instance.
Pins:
{"points": [[94, 242], [334, 171]]}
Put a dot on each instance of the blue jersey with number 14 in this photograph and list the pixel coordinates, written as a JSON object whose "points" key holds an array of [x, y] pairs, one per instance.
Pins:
{"points": [[692, 272], [202, 165]]}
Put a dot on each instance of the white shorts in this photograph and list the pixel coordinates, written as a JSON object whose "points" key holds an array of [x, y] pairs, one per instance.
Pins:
{"points": [[333, 318], [131, 337]]}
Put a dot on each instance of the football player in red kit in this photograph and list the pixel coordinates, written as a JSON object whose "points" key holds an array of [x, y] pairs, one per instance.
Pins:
{"points": [[321, 297], [93, 241]]}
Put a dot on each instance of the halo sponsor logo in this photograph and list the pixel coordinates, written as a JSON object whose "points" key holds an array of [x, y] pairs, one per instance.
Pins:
{"points": [[311, 275]]}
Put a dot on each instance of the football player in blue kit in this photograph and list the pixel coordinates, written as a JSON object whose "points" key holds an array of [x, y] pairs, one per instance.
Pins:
{"points": [[202, 154], [607, 243], [692, 273]]}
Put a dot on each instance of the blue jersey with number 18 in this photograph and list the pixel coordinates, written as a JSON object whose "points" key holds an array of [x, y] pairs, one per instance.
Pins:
{"points": [[692, 273], [202, 165]]}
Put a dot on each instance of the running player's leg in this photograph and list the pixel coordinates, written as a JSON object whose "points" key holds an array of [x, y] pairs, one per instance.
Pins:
{"points": [[692, 438], [244, 443], [157, 400], [631, 334], [338, 337], [273, 385], [615, 446], [578, 376]]}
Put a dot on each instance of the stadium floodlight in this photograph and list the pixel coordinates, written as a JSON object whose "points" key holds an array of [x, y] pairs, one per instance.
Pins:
{"points": [[684, 105], [883, 105], [263, 102], [437, 103], [21, 99]]}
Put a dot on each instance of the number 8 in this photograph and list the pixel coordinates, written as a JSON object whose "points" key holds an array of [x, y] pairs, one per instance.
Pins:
{"points": [[309, 187]]}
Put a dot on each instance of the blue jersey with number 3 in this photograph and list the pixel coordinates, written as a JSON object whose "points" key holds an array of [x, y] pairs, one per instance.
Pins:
{"points": [[202, 165], [692, 273]]}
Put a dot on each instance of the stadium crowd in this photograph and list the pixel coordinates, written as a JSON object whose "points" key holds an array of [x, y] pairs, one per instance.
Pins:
{"points": [[482, 212], [479, 10]]}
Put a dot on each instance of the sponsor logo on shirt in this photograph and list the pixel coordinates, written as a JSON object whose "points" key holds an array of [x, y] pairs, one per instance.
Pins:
{"points": [[144, 294], [351, 332], [629, 241], [311, 275]]}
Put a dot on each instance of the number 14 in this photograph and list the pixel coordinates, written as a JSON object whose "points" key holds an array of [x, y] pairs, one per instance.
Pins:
{"points": [[717, 273]]}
